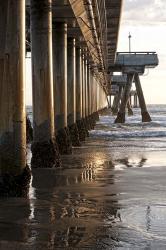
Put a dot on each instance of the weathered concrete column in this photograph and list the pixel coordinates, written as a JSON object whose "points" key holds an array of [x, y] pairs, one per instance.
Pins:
{"points": [[110, 101], [14, 173], [130, 100], [83, 86], [60, 86], [84, 79], [121, 94], [71, 92], [114, 102], [117, 101], [44, 149], [88, 98], [86, 72], [121, 114], [93, 95], [135, 100], [92, 99], [90, 91], [103, 98], [97, 97], [86, 87], [130, 111], [79, 97], [97, 100], [145, 115], [78, 84], [100, 97]]}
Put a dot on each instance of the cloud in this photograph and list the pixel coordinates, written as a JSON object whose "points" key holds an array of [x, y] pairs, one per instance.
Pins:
{"points": [[150, 12]]}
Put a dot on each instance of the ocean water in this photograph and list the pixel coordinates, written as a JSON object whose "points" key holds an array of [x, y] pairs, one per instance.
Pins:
{"points": [[109, 194]]}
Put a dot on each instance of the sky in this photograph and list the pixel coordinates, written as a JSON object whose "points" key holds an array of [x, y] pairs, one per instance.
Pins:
{"points": [[146, 21]]}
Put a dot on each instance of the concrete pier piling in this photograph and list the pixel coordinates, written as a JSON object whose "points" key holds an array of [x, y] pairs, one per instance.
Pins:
{"points": [[84, 122], [44, 149], [14, 172], [88, 98], [60, 87], [90, 85], [93, 102], [135, 101], [121, 114], [78, 84], [129, 108], [86, 92], [79, 97], [83, 86], [145, 115], [96, 100], [116, 102], [71, 92]]}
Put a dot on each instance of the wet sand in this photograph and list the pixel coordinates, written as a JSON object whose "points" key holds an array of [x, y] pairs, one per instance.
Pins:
{"points": [[110, 194]]}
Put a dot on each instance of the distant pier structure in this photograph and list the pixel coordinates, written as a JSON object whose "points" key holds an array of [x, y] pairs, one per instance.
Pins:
{"points": [[132, 65], [118, 83]]}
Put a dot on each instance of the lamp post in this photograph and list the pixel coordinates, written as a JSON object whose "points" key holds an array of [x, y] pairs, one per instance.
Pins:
{"points": [[129, 42]]}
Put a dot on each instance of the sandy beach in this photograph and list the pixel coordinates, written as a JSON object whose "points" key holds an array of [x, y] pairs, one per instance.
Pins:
{"points": [[109, 194]]}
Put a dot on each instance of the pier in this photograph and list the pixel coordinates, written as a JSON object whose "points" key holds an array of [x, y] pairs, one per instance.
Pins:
{"points": [[133, 65], [72, 44], [83, 165], [73, 47]]}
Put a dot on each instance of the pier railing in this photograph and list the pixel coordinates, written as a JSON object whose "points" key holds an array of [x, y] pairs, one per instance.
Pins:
{"points": [[141, 59]]}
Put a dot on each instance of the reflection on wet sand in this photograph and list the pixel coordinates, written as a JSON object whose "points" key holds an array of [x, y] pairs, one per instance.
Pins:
{"points": [[14, 214], [103, 197], [74, 207], [70, 207], [133, 163]]}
